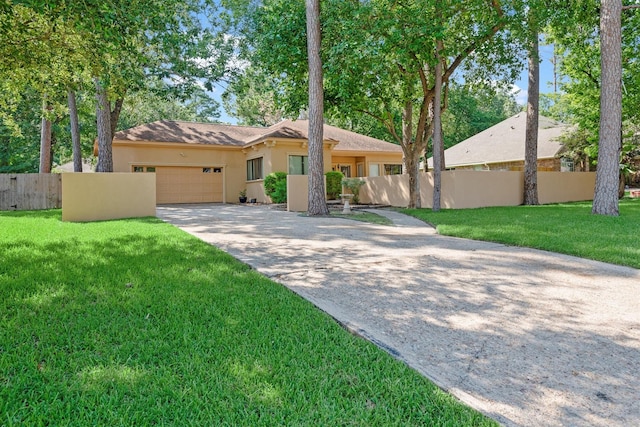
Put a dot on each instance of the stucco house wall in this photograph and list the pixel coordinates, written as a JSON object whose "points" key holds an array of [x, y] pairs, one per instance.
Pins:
{"points": [[126, 155], [178, 149]]}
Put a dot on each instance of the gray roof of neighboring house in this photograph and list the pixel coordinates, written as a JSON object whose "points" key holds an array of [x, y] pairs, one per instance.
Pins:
{"points": [[239, 136], [504, 142]]}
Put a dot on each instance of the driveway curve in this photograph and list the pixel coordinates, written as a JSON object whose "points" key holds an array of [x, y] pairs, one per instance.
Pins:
{"points": [[527, 337]]}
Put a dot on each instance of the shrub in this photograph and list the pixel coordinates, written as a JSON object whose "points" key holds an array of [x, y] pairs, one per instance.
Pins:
{"points": [[275, 186], [353, 185], [334, 184]]}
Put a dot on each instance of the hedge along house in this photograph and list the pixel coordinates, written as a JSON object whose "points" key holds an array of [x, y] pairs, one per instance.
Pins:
{"points": [[502, 146], [201, 163]]}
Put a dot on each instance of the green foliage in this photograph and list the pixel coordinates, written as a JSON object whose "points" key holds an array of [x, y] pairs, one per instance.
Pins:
{"points": [[250, 97], [279, 194], [353, 185], [564, 228], [473, 108], [275, 186], [334, 184], [576, 38], [135, 322]]}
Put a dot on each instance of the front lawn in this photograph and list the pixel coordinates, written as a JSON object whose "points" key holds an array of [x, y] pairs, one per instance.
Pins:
{"points": [[564, 228], [135, 322]]}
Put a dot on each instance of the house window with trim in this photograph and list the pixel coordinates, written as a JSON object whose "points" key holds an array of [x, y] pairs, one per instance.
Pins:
{"points": [[298, 165], [374, 169], [143, 169], [254, 169], [566, 165], [393, 169]]}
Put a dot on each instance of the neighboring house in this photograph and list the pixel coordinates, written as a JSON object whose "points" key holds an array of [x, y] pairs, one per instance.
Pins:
{"points": [[199, 162], [501, 147]]}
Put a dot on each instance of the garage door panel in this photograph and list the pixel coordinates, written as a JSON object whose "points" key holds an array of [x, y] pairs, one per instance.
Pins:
{"points": [[188, 185]]}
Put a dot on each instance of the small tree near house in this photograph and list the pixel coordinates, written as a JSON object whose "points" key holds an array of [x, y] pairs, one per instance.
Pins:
{"points": [[353, 185]]}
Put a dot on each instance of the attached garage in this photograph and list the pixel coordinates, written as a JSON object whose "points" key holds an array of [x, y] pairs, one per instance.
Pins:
{"points": [[189, 184]]}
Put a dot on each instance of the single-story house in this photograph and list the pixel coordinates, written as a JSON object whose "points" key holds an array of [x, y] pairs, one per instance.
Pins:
{"points": [[501, 147], [202, 162]]}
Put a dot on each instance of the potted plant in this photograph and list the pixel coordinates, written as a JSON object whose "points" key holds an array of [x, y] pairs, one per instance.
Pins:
{"points": [[243, 196]]}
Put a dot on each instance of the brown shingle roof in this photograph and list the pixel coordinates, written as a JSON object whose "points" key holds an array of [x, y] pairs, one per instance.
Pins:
{"points": [[190, 133], [504, 142], [239, 136]]}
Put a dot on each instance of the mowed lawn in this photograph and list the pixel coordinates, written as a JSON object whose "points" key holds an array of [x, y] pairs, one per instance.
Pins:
{"points": [[135, 322], [564, 228]]}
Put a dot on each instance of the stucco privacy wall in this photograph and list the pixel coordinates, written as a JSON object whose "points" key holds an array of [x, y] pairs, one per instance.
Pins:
{"points": [[102, 196], [559, 187], [475, 189], [298, 192], [231, 160]]}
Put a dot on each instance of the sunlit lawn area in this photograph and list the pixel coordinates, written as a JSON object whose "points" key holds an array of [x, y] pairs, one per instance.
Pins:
{"points": [[564, 228], [136, 323]]}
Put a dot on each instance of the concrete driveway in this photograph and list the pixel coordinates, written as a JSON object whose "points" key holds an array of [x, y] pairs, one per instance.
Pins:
{"points": [[529, 338]]}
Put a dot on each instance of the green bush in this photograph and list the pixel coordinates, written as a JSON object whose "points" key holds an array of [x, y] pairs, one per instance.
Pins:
{"points": [[279, 195], [275, 186], [334, 184], [353, 185]]}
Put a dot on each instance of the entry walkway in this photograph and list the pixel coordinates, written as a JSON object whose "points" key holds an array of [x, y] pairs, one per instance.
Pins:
{"points": [[528, 337]]}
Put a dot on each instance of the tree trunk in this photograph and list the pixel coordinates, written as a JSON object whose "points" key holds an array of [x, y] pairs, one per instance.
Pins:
{"points": [[531, 136], [103, 115], [605, 200], [438, 144], [75, 131], [411, 156], [114, 115], [45, 140], [317, 199]]}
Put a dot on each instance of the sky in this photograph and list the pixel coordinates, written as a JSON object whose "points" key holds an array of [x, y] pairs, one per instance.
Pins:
{"points": [[546, 75]]}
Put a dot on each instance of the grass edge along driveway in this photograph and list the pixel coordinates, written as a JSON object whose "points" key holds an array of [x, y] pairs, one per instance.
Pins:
{"points": [[134, 322], [567, 228]]}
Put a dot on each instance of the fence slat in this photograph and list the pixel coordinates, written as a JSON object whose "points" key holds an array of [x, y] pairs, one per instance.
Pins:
{"points": [[30, 191]]}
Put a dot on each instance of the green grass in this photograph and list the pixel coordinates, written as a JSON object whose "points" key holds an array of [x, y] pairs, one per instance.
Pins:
{"points": [[563, 228], [134, 322], [364, 217]]}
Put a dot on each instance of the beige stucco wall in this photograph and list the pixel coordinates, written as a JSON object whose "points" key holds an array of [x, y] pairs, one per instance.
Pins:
{"points": [[390, 190], [297, 193], [476, 189], [464, 189], [231, 160], [560, 187], [102, 196]]}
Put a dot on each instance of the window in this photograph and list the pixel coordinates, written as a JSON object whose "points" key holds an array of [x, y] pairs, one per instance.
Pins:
{"points": [[206, 170], [298, 165], [254, 169], [360, 168], [566, 165], [393, 169], [346, 170], [143, 169], [374, 169]]}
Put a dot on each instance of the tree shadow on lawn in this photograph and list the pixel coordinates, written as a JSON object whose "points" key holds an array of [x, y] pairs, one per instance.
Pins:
{"points": [[145, 326]]}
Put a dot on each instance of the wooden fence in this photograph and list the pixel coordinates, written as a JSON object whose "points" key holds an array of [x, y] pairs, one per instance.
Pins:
{"points": [[30, 191]]}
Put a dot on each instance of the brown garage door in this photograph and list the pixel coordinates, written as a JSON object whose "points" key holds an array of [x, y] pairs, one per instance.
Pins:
{"points": [[188, 185]]}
